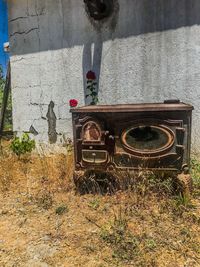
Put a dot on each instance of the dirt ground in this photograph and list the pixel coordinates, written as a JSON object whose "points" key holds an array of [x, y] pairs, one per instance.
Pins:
{"points": [[45, 222]]}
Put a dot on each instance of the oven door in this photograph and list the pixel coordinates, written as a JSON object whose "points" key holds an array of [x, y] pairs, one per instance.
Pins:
{"points": [[150, 143], [148, 140]]}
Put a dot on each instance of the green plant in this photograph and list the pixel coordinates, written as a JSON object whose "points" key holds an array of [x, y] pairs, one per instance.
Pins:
{"points": [[94, 204], [2, 79], [44, 200], [61, 209], [117, 234], [185, 232], [22, 145], [181, 203], [68, 144], [91, 87], [8, 113], [195, 172], [150, 244]]}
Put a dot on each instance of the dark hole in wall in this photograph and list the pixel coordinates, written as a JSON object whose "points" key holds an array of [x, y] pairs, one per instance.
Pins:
{"points": [[103, 8], [99, 10]]}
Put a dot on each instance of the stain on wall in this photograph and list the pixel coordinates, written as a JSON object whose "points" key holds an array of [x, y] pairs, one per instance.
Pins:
{"points": [[51, 119], [33, 131]]}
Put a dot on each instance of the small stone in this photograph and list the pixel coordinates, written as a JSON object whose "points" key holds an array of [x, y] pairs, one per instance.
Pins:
{"points": [[46, 238]]}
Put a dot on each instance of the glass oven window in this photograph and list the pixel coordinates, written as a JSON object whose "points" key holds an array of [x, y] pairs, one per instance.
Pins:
{"points": [[147, 138]]}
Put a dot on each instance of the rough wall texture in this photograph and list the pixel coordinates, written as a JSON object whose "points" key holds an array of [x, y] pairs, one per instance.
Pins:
{"points": [[147, 51]]}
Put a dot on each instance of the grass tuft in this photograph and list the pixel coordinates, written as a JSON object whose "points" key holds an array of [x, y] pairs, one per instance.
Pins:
{"points": [[62, 209]]}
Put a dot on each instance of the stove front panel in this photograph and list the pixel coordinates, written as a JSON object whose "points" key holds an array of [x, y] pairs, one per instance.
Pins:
{"points": [[131, 140]]}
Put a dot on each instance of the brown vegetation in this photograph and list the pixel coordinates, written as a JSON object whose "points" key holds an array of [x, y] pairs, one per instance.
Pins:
{"points": [[45, 222]]}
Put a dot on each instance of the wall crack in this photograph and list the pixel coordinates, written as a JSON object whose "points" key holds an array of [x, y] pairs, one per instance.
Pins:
{"points": [[24, 32]]}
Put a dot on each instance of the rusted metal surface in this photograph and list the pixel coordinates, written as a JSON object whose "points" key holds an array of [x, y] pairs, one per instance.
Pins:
{"points": [[134, 108], [185, 183], [131, 137]]}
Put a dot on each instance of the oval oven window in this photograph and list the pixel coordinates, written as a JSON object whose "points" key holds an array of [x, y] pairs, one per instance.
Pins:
{"points": [[148, 139]]}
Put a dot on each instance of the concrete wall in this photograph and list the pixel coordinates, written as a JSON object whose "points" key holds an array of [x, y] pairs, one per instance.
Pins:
{"points": [[147, 51]]}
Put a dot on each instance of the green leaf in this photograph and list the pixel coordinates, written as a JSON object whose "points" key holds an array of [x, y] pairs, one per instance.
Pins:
{"points": [[94, 94], [22, 145]]}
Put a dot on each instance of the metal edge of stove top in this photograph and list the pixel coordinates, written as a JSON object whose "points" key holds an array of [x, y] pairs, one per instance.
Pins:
{"points": [[134, 107]]}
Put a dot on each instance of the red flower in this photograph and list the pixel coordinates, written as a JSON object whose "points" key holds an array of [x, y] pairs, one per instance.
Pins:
{"points": [[91, 75], [73, 103]]}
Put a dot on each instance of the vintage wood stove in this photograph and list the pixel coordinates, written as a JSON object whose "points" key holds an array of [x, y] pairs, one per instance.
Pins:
{"points": [[117, 138]]}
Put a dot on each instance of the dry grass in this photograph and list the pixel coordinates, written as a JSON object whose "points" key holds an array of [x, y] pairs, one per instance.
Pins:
{"points": [[44, 222]]}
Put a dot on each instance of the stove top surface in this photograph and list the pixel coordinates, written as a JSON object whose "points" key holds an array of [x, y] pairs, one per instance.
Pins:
{"points": [[167, 105]]}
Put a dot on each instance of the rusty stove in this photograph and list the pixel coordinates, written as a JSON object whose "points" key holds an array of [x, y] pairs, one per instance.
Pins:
{"points": [[112, 138]]}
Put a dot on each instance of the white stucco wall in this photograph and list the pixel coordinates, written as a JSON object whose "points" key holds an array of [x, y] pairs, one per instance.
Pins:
{"points": [[146, 52]]}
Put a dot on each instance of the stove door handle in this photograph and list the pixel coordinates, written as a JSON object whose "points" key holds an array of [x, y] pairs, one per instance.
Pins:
{"points": [[111, 137]]}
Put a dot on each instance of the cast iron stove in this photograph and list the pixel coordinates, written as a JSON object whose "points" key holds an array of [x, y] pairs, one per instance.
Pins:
{"points": [[112, 138]]}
